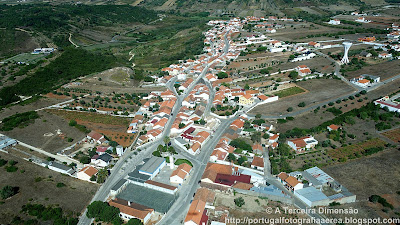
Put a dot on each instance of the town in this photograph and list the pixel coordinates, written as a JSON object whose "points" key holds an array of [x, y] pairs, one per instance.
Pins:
{"points": [[257, 119]]}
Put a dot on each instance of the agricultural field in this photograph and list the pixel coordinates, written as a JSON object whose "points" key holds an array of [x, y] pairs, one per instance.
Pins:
{"points": [[32, 180], [393, 135], [111, 126], [384, 68], [355, 150], [319, 90], [367, 176], [289, 92]]}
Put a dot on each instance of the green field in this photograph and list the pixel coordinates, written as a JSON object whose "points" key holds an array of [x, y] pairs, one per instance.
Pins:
{"points": [[289, 92], [26, 58]]}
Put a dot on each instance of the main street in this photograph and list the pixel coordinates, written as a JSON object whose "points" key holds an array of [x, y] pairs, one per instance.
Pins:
{"points": [[129, 161]]}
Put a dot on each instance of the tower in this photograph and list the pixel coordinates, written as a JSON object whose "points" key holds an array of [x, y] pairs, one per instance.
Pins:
{"points": [[347, 46]]}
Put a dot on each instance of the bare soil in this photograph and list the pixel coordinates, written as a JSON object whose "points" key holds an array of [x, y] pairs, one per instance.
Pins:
{"points": [[319, 90], [73, 197], [33, 134]]}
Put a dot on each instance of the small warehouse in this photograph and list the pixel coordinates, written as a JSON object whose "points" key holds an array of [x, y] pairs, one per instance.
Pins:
{"points": [[153, 166]]}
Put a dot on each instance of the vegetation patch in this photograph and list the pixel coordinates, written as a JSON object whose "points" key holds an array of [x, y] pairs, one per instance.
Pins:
{"points": [[181, 161], [289, 92], [354, 151], [91, 117], [18, 120]]}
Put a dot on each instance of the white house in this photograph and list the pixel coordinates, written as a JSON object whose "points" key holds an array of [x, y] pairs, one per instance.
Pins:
{"points": [[385, 55], [180, 174], [86, 173], [302, 144], [386, 102], [362, 20], [334, 22], [129, 210], [101, 160]]}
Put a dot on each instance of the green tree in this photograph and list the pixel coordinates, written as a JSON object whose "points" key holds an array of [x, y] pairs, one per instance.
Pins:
{"points": [[289, 109], [231, 157], [256, 136], [102, 176], [294, 75], [72, 123], [166, 140], [134, 221], [239, 201], [301, 104], [8, 191], [84, 159]]}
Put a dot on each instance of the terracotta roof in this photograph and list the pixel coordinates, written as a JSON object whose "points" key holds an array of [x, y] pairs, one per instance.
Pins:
{"points": [[89, 170], [257, 161], [243, 186], [334, 127], [185, 167], [95, 135], [180, 173], [292, 181], [262, 97], [155, 183], [205, 195], [195, 212], [134, 209], [195, 147], [363, 81], [283, 176]]}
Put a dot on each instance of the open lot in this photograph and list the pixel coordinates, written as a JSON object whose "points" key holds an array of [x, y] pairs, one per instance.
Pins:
{"points": [[319, 90], [254, 208], [111, 126], [40, 103], [49, 132], [375, 174], [385, 69], [38, 185]]}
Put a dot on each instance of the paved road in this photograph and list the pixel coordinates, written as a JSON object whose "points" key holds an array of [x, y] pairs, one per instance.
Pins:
{"points": [[57, 157], [128, 161]]}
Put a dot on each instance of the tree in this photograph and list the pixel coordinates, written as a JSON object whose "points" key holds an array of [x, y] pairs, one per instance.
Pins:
{"points": [[181, 125], [222, 75], [258, 116], [102, 176], [231, 157], [265, 136], [8, 191], [104, 212], [72, 123], [294, 75], [134, 221], [239, 201], [289, 109], [246, 87], [256, 137], [241, 160], [84, 160], [166, 140], [301, 104]]}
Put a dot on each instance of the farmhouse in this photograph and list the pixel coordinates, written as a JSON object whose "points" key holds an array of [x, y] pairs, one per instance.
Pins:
{"points": [[334, 22], [386, 102], [302, 144], [303, 70], [95, 136], [333, 127]]}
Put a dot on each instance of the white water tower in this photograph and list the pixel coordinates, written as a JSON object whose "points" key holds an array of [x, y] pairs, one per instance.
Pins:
{"points": [[347, 46]]}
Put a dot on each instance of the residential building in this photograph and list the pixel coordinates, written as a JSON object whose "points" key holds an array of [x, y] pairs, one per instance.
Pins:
{"points": [[333, 127], [334, 22], [302, 144], [257, 163], [303, 70], [180, 174], [246, 99], [387, 102], [129, 210], [86, 173], [291, 183], [197, 215]]}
